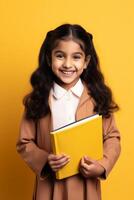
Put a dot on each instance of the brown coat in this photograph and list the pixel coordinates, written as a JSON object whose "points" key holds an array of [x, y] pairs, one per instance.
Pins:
{"points": [[34, 147]]}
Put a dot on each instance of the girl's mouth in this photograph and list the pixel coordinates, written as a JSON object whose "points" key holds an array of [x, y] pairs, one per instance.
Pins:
{"points": [[68, 73]]}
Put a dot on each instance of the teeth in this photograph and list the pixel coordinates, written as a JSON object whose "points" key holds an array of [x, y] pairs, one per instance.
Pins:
{"points": [[68, 72]]}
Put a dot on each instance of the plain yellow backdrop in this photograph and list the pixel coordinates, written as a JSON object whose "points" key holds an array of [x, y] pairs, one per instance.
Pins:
{"points": [[23, 26]]}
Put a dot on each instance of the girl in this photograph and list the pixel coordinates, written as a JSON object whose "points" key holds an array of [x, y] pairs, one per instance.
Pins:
{"points": [[67, 86]]}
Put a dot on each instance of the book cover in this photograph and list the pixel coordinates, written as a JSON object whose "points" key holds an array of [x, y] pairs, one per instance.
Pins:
{"points": [[77, 139]]}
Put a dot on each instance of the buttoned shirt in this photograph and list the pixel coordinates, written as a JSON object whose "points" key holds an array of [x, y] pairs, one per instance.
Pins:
{"points": [[64, 104]]}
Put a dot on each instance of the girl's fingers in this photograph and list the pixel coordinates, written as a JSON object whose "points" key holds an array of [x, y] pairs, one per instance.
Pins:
{"points": [[92, 170], [57, 167], [93, 165], [84, 172], [55, 157], [88, 160], [59, 161], [87, 167], [84, 165], [88, 172]]}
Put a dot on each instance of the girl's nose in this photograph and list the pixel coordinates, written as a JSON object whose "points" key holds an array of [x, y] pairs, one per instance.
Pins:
{"points": [[67, 63]]}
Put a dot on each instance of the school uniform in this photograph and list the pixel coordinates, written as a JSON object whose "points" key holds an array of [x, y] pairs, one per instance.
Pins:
{"points": [[34, 146]]}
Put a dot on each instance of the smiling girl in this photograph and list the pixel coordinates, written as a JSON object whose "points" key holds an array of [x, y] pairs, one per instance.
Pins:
{"points": [[67, 86], [68, 63]]}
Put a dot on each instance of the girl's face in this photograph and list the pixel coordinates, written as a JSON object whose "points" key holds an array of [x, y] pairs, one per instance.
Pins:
{"points": [[68, 62]]}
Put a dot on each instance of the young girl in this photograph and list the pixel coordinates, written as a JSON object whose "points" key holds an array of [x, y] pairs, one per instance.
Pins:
{"points": [[67, 86]]}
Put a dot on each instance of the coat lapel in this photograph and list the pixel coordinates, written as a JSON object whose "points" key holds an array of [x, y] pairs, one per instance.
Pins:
{"points": [[86, 105]]}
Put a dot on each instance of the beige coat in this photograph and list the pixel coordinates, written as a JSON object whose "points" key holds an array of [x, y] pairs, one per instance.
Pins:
{"points": [[34, 148]]}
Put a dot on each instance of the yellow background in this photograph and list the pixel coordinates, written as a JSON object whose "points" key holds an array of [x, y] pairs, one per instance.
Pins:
{"points": [[23, 25]]}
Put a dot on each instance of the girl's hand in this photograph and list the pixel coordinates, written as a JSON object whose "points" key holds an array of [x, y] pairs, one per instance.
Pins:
{"points": [[56, 162], [90, 168]]}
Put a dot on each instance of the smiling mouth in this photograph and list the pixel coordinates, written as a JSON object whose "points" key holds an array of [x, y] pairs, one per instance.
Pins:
{"points": [[68, 73]]}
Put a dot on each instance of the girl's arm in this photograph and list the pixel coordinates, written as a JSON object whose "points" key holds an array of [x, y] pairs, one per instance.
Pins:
{"points": [[35, 157], [111, 144]]}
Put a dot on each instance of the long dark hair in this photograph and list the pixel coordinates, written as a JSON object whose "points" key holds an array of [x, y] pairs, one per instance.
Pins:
{"points": [[36, 103]]}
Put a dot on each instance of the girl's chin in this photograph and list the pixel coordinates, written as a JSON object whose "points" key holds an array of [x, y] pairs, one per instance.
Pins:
{"points": [[67, 84], [67, 80]]}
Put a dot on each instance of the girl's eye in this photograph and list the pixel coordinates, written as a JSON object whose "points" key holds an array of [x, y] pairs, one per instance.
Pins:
{"points": [[59, 56], [77, 57]]}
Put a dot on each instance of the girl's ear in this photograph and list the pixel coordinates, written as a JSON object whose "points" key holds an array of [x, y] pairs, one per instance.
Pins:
{"points": [[87, 60]]}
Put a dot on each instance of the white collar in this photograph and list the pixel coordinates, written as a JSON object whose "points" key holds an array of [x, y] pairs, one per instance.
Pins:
{"points": [[59, 91]]}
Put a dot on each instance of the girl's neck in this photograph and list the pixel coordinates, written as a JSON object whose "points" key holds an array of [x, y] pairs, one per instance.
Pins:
{"points": [[65, 85]]}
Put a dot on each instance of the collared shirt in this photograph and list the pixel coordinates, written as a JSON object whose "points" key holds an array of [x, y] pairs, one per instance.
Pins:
{"points": [[64, 103]]}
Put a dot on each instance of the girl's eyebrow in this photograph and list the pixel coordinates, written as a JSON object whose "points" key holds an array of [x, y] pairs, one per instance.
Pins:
{"points": [[59, 51]]}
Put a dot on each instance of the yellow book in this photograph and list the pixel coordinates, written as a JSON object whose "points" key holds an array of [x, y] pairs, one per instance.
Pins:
{"points": [[80, 138]]}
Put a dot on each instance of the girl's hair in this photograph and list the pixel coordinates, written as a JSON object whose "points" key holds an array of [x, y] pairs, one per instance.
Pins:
{"points": [[36, 103]]}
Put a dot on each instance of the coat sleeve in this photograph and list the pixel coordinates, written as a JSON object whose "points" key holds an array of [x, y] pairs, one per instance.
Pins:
{"points": [[35, 157], [111, 144]]}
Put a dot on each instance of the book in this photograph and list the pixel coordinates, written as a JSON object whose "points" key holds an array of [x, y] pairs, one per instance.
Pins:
{"points": [[83, 137]]}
